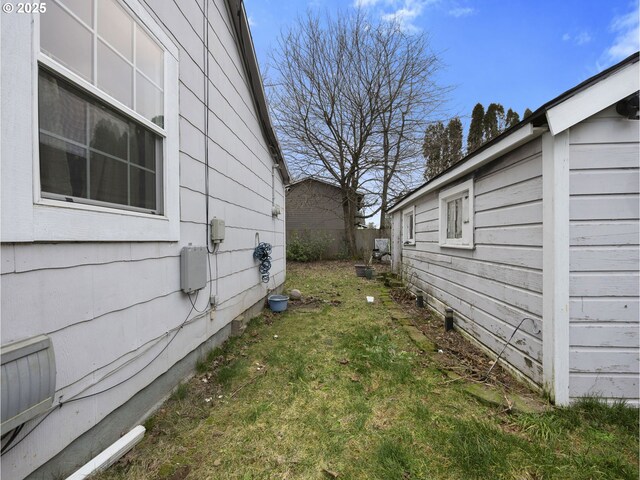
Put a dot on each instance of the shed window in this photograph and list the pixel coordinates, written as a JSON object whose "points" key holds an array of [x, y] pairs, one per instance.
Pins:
{"points": [[456, 216], [409, 221], [101, 107]]}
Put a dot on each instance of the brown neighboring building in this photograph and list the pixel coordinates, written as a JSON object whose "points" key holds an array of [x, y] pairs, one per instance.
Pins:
{"points": [[314, 207]]}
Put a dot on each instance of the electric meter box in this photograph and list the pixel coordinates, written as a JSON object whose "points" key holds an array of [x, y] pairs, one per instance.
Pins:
{"points": [[217, 230], [193, 268]]}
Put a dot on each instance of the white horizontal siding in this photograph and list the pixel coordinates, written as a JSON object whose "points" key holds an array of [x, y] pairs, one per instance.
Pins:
{"points": [[498, 283], [604, 257], [110, 307]]}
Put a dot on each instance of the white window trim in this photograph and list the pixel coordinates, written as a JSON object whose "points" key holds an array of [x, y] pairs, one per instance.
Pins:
{"points": [[42, 219], [457, 191], [408, 211]]}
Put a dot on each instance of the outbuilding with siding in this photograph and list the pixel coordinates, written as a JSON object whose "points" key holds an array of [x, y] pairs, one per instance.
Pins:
{"points": [[535, 235], [127, 127]]}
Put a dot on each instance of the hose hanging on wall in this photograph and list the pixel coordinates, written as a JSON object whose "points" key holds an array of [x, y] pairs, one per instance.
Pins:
{"points": [[262, 253]]}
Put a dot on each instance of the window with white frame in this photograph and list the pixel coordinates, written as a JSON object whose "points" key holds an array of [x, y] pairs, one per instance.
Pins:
{"points": [[101, 87], [456, 216], [409, 226]]}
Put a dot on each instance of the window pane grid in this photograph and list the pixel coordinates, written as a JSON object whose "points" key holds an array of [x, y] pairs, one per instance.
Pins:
{"points": [[106, 178], [156, 114]]}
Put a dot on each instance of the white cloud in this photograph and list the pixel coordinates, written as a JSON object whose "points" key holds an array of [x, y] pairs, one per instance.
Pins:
{"points": [[406, 12], [627, 40], [365, 3], [579, 39], [582, 38], [461, 12], [252, 22]]}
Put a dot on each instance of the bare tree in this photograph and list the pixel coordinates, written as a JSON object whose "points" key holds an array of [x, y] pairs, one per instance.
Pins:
{"points": [[348, 101], [408, 98]]}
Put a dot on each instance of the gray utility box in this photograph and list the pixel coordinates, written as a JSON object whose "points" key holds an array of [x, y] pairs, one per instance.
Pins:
{"points": [[217, 230], [28, 380], [193, 268]]}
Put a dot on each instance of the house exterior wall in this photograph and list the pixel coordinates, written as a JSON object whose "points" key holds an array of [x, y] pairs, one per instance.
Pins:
{"points": [[494, 286], [604, 255], [111, 307], [315, 208]]}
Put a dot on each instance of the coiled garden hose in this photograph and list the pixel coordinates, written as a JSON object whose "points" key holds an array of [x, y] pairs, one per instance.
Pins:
{"points": [[262, 253]]}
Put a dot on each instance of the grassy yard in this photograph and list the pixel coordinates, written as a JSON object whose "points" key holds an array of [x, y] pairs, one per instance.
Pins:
{"points": [[335, 388]]}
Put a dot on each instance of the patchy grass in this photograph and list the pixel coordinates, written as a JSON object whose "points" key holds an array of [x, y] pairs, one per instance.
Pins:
{"points": [[343, 391]]}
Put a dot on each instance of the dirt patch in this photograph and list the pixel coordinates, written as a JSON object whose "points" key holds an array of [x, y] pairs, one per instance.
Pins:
{"points": [[307, 304], [455, 353]]}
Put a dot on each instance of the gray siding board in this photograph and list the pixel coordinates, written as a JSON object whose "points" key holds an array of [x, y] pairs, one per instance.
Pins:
{"points": [[612, 385], [604, 360], [521, 256], [7, 259], [523, 235], [515, 158], [523, 299], [525, 278], [604, 232], [524, 214], [604, 284], [604, 309], [522, 170], [604, 257], [590, 156], [604, 207], [604, 181], [431, 213], [600, 334], [605, 131], [523, 192]]}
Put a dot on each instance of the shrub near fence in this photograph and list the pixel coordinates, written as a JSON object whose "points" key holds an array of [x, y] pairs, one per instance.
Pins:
{"points": [[306, 247]]}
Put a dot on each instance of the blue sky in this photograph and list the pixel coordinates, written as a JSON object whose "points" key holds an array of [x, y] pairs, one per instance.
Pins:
{"points": [[517, 53]]}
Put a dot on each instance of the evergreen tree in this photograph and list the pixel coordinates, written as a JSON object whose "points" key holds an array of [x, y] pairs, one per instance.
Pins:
{"points": [[434, 149], [512, 118], [476, 137], [442, 146], [494, 121], [527, 112], [454, 140]]}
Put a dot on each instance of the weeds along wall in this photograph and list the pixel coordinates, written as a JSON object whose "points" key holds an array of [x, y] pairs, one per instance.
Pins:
{"points": [[494, 285]]}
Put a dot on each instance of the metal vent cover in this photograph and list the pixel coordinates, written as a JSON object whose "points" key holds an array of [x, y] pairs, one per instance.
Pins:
{"points": [[27, 380]]}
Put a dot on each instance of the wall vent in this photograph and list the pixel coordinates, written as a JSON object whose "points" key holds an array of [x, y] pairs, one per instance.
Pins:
{"points": [[27, 380]]}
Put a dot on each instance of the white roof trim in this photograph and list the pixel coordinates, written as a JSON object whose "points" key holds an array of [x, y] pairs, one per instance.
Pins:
{"points": [[521, 136], [594, 99]]}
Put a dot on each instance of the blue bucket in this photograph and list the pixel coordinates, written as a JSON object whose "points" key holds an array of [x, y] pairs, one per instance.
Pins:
{"points": [[278, 303]]}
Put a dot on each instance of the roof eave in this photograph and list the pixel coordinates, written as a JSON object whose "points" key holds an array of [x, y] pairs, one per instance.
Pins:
{"points": [[245, 44], [588, 102]]}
